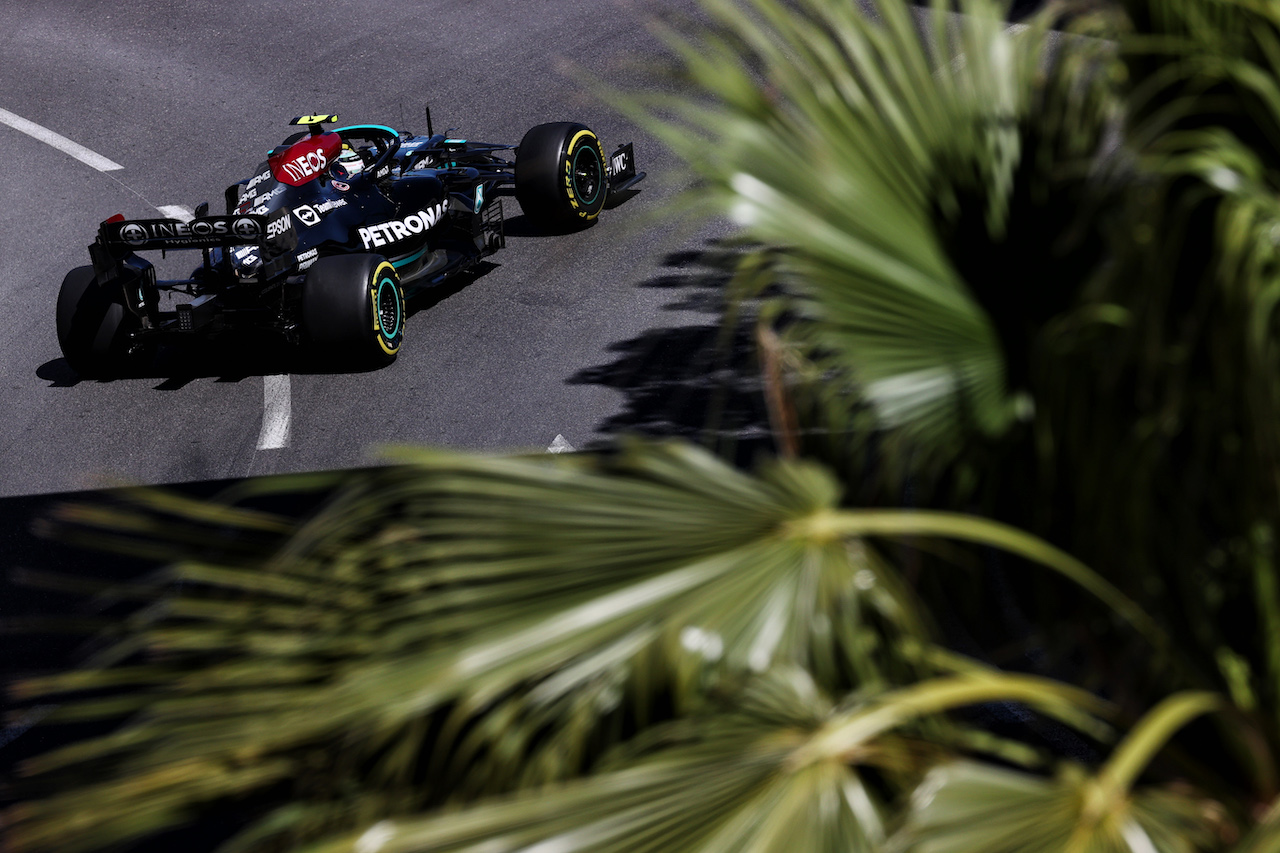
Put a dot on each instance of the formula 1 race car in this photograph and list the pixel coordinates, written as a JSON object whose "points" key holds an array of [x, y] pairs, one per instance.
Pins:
{"points": [[322, 242]]}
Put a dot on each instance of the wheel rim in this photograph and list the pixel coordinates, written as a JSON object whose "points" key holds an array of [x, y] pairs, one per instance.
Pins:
{"points": [[587, 174], [390, 312], [388, 308]]}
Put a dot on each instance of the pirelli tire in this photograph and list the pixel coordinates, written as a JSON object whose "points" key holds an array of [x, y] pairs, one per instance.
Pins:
{"points": [[94, 326], [353, 309], [560, 175]]}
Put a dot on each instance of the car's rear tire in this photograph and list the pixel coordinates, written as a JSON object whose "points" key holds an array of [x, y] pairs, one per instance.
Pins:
{"points": [[560, 175], [353, 309], [94, 326]]}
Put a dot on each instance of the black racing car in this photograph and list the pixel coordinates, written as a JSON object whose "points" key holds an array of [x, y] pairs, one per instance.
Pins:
{"points": [[321, 244]]}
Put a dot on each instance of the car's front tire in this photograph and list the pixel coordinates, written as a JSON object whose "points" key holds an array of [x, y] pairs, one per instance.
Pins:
{"points": [[353, 309], [561, 179], [94, 326]]}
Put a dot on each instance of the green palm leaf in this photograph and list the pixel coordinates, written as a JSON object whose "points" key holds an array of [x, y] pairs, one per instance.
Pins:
{"points": [[466, 625], [967, 807], [786, 770], [853, 142]]}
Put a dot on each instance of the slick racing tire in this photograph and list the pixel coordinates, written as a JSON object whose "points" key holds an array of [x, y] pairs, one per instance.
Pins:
{"points": [[94, 326], [560, 175], [353, 309]]}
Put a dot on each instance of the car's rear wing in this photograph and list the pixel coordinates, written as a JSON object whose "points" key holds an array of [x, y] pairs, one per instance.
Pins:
{"points": [[205, 232], [119, 237]]}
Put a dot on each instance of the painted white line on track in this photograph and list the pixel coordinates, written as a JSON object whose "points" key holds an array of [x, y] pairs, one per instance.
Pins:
{"points": [[66, 146], [177, 211], [560, 444], [275, 412]]}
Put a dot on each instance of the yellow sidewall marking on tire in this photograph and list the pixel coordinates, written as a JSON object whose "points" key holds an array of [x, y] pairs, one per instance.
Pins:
{"points": [[568, 171]]}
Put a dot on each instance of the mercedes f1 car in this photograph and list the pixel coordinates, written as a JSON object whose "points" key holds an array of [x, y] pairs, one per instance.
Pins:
{"points": [[323, 242]]}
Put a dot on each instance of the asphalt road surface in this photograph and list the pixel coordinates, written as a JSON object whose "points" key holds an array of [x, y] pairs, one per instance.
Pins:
{"points": [[562, 336]]}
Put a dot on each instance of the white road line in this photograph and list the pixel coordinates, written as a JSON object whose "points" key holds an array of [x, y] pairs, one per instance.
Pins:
{"points": [[66, 146], [177, 211], [560, 444], [275, 412]]}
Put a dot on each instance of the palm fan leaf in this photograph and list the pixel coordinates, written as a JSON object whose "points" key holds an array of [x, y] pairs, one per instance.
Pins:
{"points": [[512, 611], [464, 626], [786, 769], [968, 807], [882, 153]]}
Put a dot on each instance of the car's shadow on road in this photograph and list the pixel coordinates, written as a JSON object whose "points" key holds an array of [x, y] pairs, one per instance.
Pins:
{"points": [[697, 381], [522, 226], [179, 361]]}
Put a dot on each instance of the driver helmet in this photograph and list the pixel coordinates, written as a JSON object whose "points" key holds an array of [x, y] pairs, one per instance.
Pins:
{"points": [[348, 164]]}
